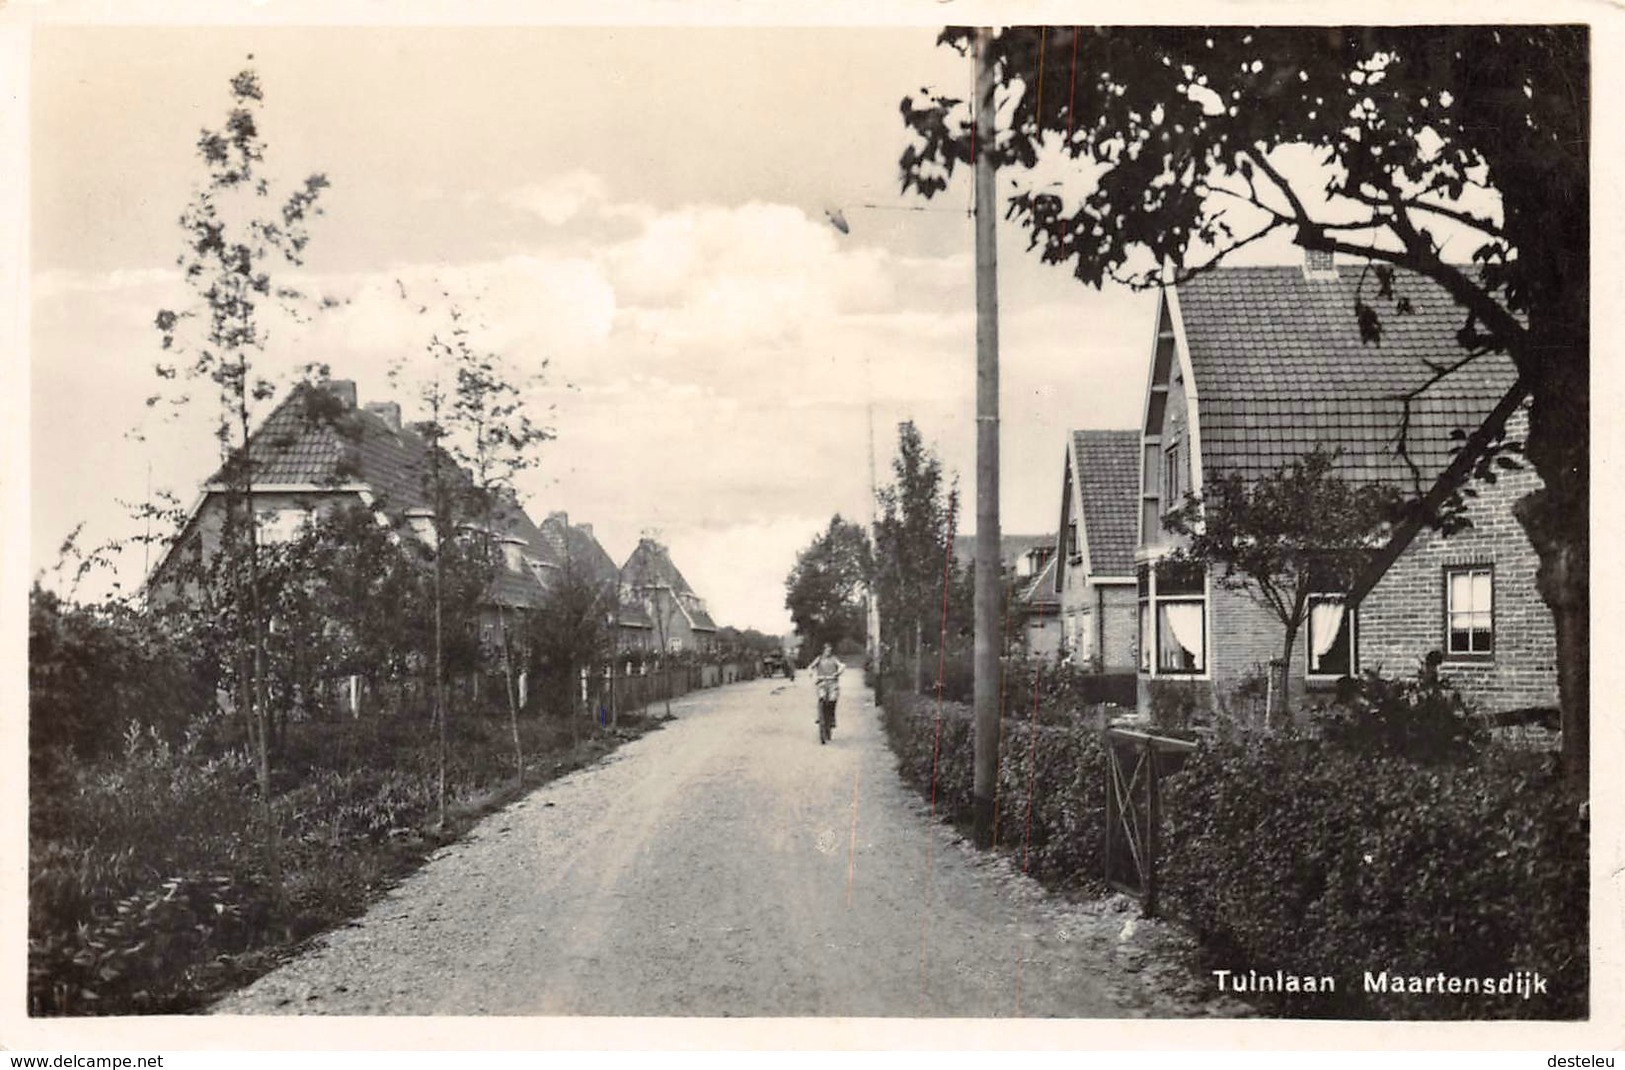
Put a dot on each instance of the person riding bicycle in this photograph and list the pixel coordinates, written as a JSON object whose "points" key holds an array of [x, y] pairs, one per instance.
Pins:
{"points": [[826, 669]]}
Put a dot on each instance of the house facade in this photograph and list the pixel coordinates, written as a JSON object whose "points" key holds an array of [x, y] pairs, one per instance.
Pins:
{"points": [[679, 621], [1252, 368], [1093, 575], [1036, 611], [318, 452]]}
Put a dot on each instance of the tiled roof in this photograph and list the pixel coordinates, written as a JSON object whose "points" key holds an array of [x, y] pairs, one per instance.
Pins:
{"points": [[702, 619], [1280, 368], [651, 566], [576, 545], [311, 439], [1039, 594], [305, 442], [1108, 470]]}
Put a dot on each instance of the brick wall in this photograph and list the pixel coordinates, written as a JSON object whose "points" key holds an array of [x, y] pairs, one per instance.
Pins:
{"points": [[1119, 631], [1403, 616]]}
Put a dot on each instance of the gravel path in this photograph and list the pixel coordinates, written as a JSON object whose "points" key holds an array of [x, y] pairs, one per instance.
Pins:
{"points": [[728, 865]]}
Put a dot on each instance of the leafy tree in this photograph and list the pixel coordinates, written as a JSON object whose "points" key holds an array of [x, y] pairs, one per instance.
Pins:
{"points": [[913, 547], [1299, 531], [1190, 135], [494, 440], [574, 629], [1385, 143], [825, 590], [231, 244]]}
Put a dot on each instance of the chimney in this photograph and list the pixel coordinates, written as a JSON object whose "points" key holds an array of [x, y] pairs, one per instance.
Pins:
{"points": [[388, 411], [343, 389], [585, 528], [560, 516], [1318, 264]]}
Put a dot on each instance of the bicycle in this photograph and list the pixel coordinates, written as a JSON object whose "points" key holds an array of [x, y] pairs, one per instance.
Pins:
{"points": [[829, 690]]}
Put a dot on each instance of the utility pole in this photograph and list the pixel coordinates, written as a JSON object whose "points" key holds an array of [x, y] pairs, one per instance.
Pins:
{"points": [[988, 639]]}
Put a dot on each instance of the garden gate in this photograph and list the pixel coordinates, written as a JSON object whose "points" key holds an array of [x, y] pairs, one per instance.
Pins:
{"points": [[1136, 763]]}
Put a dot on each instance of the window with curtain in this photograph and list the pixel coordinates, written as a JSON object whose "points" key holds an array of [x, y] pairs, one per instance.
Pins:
{"points": [[1180, 639], [1331, 636], [1469, 611], [1173, 621]]}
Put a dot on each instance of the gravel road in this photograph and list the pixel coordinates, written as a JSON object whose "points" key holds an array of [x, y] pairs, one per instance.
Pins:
{"points": [[727, 865]]}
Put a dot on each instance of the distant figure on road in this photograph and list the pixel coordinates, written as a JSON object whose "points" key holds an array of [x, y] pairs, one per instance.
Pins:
{"points": [[826, 669]]}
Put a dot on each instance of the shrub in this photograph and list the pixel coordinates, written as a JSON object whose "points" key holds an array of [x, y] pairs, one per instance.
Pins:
{"points": [[1298, 855], [1421, 718], [1049, 806]]}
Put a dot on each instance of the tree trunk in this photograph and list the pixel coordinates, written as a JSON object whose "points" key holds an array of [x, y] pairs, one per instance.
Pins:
{"points": [[513, 698], [440, 679], [257, 690], [1281, 715], [1563, 580], [919, 656]]}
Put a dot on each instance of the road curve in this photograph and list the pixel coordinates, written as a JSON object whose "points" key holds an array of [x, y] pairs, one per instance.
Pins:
{"points": [[726, 865]]}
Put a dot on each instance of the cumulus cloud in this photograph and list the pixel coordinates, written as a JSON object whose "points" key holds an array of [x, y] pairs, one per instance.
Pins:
{"points": [[711, 371]]}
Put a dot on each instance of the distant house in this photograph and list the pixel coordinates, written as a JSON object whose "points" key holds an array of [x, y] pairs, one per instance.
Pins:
{"points": [[575, 547], [1035, 613], [318, 452], [679, 620], [1254, 367], [1093, 576]]}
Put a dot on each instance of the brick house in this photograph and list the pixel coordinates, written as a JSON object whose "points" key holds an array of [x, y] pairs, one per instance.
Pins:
{"points": [[1254, 367], [677, 615], [318, 452], [1093, 577]]}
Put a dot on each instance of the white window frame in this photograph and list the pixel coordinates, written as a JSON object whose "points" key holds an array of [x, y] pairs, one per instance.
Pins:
{"points": [[1452, 612], [1150, 632]]}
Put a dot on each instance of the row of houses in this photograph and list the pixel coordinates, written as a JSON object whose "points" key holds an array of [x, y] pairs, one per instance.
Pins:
{"points": [[319, 451], [1248, 369]]}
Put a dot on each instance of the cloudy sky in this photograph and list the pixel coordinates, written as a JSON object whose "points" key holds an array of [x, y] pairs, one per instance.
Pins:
{"points": [[637, 213]]}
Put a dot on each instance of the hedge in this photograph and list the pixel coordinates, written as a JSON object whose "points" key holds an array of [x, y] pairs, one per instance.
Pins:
{"points": [[1306, 856], [1297, 855], [1050, 805]]}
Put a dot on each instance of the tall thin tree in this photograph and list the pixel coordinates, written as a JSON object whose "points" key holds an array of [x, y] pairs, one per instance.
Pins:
{"points": [[231, 244]]}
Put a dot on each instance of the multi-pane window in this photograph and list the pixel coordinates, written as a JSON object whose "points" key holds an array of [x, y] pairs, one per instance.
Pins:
{"points": [[1331, 636], [1469, 611], [1074, 552], [1173, 620]]}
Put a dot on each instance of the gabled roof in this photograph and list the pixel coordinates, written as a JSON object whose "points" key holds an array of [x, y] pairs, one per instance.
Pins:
{"points": [[1107, 467], [1280, 368], [1039, 593], [317, 438], [651, 566], [575, 545], [307, 441]]}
